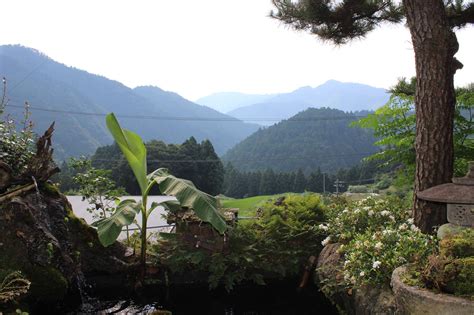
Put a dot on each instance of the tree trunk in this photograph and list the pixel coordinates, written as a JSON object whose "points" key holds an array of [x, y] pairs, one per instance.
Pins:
{"points": [[435, 44]]}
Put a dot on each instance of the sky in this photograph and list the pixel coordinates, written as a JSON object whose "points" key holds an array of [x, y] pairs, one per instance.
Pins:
{"points": [[196, 48]]}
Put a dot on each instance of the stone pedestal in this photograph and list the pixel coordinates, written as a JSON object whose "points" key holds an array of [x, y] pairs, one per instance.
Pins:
{"points": [[418, 301]]}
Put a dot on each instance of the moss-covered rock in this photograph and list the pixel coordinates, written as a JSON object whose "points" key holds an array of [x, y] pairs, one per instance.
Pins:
{"points": [[461, 276], [53, 248], [47, 284], [50, 189], [458, 245], [449, 230]]}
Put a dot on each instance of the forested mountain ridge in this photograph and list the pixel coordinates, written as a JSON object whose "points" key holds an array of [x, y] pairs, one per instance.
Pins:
{"points": [[77, 101], [315, 138], [332, 94], [197, 162]]}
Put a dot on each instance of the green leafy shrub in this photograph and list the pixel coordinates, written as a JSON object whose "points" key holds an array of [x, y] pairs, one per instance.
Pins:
{"points": [[358, 189], [96, 186], [444, 274], [452, 270], [276, 245], [459, 245], [384, 182], [461, 274]]}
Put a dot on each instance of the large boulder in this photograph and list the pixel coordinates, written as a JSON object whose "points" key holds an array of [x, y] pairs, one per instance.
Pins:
{"points": [[41, 237], [365, 300]]}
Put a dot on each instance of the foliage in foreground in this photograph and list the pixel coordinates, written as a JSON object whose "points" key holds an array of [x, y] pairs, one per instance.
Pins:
{"points": [[377, 236], [275, 245]]}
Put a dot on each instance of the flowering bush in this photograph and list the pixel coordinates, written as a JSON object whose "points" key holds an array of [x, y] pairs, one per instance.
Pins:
{"points": [[348, 219], [377, 235], [370, 258], [16, 146]]}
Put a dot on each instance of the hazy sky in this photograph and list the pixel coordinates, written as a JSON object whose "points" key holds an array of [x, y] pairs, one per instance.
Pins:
{"points": [[196, 48]]}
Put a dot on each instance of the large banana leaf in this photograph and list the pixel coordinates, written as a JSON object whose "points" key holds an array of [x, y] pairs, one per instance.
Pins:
{"points": [[109, 229], [169, 205], [172, 206], [204, 205], [132, 148]]}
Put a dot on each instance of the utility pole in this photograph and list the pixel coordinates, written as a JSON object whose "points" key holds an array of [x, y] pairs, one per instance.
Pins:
{"points": [[338, 184], [324, 183]]}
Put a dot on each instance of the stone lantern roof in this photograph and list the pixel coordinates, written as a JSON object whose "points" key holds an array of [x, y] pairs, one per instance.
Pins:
{"points": [[460, 191]]}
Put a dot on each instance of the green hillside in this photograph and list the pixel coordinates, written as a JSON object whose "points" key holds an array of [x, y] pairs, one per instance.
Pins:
{"points": [[77, 101], [311, 139]]}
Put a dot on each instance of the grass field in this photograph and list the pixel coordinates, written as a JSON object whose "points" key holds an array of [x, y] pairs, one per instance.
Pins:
{"points": [[248, 206]]}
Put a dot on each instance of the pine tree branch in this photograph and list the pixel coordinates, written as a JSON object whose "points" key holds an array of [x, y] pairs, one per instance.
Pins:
{"points": [[337, 21], [459, 16]]}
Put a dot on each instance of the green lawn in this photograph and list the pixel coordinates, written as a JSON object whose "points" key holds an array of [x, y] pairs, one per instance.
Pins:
{"points": [[248, 206]]}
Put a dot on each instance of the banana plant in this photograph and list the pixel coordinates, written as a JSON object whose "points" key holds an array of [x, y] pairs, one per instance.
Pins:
{"points": [[186, 194]]}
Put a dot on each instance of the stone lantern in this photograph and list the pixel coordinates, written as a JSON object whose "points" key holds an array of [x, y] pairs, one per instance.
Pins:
{"points": [[459, 197]]}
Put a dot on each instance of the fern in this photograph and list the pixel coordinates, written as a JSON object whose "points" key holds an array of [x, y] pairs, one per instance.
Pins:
{"points": [[13, 285]]}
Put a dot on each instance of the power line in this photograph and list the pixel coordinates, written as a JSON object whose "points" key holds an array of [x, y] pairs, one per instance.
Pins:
{"points": [[245, 160], [178, 118], [29, 74]]}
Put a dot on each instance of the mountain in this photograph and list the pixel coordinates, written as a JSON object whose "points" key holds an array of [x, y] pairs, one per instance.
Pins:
{"points": [[77, 101], [332, 94], [228, 101], [311, 139]]}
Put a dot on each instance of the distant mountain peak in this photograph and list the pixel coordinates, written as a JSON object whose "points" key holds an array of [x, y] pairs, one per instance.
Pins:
{"points": [[303, 88], [225, 102], [333, 94], [149, 87], [332, 82]]}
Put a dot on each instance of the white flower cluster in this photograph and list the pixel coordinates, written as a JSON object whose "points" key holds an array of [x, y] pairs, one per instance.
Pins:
{"points": [[326, 241], [403, 227], [323, 227], [376, 264]]}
